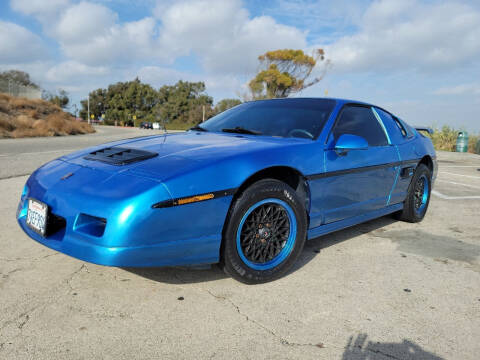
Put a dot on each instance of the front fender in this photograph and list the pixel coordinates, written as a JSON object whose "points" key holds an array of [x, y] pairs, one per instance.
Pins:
{"points": [[231, 172]]}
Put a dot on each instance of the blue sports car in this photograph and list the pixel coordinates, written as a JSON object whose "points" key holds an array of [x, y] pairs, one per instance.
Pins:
{"points": [[245, 189]]}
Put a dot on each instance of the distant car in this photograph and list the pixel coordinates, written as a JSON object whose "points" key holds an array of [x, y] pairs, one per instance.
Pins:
{"points": [[244, 189], [146, 125], [156, 126]]}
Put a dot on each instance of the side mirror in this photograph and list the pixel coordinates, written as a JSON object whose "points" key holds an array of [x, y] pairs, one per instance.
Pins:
{"points": [[347, 142]]}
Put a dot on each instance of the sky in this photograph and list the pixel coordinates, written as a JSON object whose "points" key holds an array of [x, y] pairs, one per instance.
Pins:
{"points": [[420, 59]]}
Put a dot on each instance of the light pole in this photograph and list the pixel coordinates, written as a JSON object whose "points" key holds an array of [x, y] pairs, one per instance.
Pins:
{"points": [[88, 109]]}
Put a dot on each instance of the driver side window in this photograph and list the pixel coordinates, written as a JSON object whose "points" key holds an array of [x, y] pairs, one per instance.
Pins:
{"points": [[360, 121]]}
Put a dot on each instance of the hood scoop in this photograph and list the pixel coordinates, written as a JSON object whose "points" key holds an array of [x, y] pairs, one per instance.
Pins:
{"points": [[120, 155]]}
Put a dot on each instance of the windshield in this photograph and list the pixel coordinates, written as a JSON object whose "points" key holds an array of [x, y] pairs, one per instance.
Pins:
{"points": [[303, 118]]}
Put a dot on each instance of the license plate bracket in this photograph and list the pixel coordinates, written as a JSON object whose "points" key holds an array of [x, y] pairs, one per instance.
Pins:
{"points": [[37, 216]]}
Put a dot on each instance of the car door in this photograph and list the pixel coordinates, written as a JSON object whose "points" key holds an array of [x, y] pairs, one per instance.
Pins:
{"points": [[357, 181], [403, 138]]}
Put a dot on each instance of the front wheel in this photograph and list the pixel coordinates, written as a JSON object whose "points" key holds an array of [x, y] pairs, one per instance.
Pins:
{"points": [[418, 197], [265, 232]]}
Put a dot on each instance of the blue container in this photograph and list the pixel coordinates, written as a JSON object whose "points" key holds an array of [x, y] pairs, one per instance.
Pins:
{"points": [[462, 141]]}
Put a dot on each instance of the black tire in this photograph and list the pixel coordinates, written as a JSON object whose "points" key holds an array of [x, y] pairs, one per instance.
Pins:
{"points": [[234, 259], [411, 211]]}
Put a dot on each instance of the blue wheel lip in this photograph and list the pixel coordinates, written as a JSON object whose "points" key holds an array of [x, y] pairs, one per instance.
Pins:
{"points": [[426, 191], [288, 246]]}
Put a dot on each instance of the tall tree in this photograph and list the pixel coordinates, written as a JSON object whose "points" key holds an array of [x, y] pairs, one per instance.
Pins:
{"points": [[285, 72], [122, 102], [98, 101], [19, 77], [184, 102], [59, 98], [226, 104]]}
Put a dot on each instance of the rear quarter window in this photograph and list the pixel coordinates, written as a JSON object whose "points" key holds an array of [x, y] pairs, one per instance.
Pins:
{"points": [[408, 129], [400, 127]]}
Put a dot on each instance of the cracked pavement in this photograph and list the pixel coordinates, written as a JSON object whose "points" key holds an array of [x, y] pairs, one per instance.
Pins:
{"points": [[346, 298]]}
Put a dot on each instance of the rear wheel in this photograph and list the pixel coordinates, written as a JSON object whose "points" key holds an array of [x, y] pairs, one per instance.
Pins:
{"points": [[265, 232], [418, 197]]}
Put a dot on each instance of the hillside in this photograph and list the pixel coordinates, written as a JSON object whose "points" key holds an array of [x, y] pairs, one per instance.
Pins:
{"points": [[20, 117]]}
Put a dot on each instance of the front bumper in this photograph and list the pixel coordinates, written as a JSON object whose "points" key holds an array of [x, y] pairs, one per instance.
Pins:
{"points": [[172, 253], [134, 234]]}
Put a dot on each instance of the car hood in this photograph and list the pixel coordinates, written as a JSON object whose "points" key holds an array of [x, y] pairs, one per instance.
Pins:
{"points": [[181, 152]]}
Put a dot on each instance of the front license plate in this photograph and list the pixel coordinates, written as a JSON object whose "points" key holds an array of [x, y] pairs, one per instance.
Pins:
{"points": [[37, 216]]}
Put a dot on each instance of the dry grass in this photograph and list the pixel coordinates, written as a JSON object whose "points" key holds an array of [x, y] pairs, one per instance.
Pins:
{"points": [[446, 139], [473, 144], [20, 117]]}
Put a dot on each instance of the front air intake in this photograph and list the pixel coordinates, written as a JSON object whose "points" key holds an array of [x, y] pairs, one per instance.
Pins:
{"points": [[90, 225], [119, 155]]}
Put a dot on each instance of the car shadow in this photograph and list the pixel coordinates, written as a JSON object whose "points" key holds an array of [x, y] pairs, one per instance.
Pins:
{"points": [[361, 349], [315, 246], [180, 274], [205, 273]]}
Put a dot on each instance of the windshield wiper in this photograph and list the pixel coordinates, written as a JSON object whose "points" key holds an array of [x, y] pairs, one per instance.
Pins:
{"points": [[241, 130], [198, 128]]}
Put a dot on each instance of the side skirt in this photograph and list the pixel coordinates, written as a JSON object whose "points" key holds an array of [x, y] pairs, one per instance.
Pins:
{"points": [[343, 224]]}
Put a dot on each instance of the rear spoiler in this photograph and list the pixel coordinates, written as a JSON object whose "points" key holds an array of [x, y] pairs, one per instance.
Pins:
{"points": [[426, 129]]}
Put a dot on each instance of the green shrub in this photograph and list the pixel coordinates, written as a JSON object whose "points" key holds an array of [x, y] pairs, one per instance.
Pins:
{"points": [[446, 139]]}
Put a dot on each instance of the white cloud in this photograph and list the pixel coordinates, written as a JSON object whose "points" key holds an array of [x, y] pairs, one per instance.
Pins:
{"points": [[222, 34], [19, 45], [158, 76], [44, 11], [36, 69], [91, 33], [72, 71], [84, 22], [397, 35], [462, 89]]}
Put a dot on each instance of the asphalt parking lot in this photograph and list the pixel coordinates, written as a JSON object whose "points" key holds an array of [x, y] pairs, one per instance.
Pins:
{"points": [[380, 290]]}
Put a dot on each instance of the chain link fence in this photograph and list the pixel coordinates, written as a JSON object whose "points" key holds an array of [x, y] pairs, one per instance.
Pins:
{"points": [[15, 89]]}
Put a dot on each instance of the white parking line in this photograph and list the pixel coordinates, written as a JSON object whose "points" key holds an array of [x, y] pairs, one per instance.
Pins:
{"points": [[442, 196], [460, 166], [467, 176], [461, 184]]}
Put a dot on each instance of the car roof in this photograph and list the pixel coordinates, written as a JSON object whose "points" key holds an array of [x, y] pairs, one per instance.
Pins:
{"points": [[349, 101], [338, 100]]}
